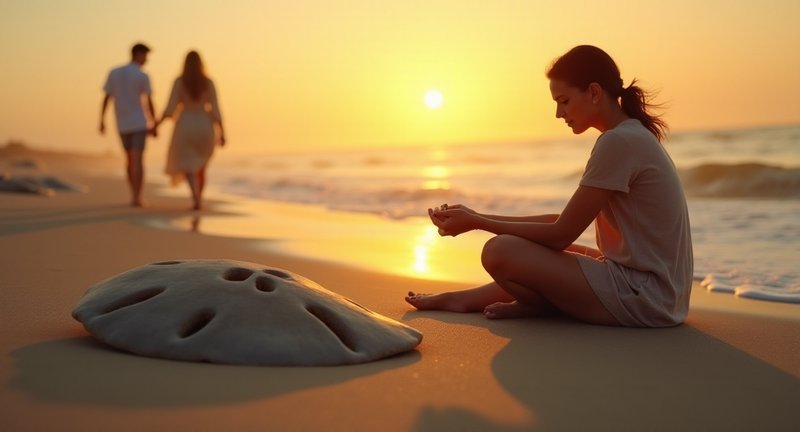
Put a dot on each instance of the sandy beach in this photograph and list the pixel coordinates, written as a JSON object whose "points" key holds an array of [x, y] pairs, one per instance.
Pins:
{"points": [[734, 365]]}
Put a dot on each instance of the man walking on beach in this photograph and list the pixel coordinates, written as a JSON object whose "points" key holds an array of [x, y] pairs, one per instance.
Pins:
{"points": [[129, 86]]}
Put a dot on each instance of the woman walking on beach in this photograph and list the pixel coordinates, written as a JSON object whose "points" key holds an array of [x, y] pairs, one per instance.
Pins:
{"points": [[193, 101], [641, 273]]}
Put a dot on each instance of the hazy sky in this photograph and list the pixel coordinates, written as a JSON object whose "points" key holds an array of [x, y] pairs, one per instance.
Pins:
{"points": [[295, 74]]}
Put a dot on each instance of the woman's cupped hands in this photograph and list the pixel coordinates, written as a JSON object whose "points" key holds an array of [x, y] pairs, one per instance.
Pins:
{"points": [[453, 220]]}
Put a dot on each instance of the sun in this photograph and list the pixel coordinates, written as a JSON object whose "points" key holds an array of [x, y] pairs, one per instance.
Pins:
{"points": [[434, 99]]}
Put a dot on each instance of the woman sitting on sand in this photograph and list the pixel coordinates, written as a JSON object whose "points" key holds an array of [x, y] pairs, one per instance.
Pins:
{"points": [[193, 138], [641, 273]]}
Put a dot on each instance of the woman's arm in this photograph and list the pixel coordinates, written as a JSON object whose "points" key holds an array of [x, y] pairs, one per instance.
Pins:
{"points": [[584, 250], [559, 234], [546, 218], [216, 114], [172, 103]]}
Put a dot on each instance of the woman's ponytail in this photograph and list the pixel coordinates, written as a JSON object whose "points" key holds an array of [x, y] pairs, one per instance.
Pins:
{"points": [[635, 102]]}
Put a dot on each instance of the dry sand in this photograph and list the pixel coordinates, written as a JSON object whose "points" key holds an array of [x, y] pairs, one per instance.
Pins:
{"points": [[735, 365]]}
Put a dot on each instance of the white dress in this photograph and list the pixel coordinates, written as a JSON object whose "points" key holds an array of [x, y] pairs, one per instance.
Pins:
{"points": [[194, 136]]}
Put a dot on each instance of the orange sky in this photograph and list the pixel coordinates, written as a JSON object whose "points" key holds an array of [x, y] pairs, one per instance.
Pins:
{"points": [[304, 75]]}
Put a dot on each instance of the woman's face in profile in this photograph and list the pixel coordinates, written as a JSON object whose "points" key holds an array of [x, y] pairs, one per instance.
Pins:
{"points": [[572, 104]]}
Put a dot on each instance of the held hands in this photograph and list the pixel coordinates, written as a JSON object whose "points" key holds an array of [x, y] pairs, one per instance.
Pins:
{"points": [[154, 130], [453, 220]]}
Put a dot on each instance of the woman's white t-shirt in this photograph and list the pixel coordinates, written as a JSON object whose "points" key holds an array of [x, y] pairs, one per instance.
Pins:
{"points": [[645, 275]]}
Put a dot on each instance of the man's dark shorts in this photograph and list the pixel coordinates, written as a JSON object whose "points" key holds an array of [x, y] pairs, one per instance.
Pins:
{"points": [[133, 140]]}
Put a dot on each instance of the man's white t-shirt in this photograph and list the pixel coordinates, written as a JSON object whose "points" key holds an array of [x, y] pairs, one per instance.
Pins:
{"points": [[127, 84]]}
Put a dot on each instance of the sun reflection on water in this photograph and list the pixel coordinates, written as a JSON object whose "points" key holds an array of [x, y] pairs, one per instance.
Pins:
{"points": [[422, 247], [435, 177], [410, 247], [436, 171]]}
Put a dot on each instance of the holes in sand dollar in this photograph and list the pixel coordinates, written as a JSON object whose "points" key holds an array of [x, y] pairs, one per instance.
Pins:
{"points": [[265, 284], [198, 322], [132, 299], [278, 273], [237, 274], [335, 324], [167, 263]]}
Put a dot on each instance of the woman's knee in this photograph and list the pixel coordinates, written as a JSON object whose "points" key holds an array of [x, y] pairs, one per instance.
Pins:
{"points": [[497, 251]]}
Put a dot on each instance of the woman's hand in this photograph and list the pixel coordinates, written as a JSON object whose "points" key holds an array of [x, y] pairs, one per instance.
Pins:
{"points": [[453, 220], [459, 207]]}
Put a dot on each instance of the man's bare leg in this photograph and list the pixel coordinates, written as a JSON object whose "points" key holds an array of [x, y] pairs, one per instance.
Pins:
{"points": [[135, 171]]}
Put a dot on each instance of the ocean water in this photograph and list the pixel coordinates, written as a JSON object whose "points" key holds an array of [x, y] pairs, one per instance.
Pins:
{"points": [[743, 189]]}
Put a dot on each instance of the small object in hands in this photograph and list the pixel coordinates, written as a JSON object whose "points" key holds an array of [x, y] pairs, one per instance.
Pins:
{"points": [[234, 312]]}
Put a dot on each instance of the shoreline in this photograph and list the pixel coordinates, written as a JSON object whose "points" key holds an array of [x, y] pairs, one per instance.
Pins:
{"points": [[410, 247], [734, 365]]}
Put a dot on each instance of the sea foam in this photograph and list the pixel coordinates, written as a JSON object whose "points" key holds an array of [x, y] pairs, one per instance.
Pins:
{"points": [[729, 285]]}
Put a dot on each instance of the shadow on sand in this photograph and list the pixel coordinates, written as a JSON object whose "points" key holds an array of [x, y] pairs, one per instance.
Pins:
{"points": [[88, 372], [573, 376]]}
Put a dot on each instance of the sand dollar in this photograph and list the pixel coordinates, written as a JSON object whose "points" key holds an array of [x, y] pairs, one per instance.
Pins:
{"points": [[235, 312]]}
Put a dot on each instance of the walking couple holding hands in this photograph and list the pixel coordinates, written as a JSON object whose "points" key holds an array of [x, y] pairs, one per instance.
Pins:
{"points": [[192, 104]]}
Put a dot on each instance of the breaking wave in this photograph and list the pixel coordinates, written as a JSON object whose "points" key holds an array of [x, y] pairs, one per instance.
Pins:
{"points": [[742, 180]]}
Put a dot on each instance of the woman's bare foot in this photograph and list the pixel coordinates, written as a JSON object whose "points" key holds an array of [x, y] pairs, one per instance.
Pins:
{"points": [[514, 309], [444, 301]]}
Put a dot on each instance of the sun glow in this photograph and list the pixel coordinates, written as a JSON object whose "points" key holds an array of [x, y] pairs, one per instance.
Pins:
{"points": [[436, 177], [434, 99]]}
